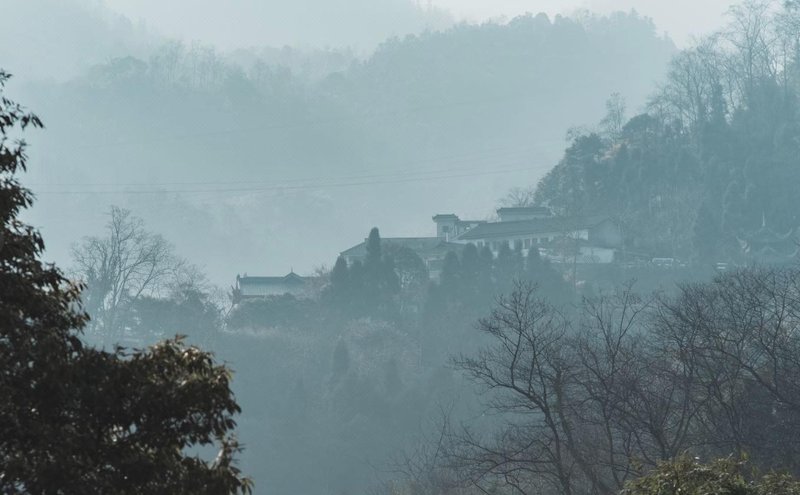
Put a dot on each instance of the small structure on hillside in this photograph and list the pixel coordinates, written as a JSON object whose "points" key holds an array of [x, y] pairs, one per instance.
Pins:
{"points": [[766, 246], [248, 287], [576, 240]]}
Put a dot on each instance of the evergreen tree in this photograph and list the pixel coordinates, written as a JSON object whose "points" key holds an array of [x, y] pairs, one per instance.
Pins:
{"points": [[486, 281], [373, 246], [542, 273], [508, 267], [380, 281], [470, 264], [340, 281], [450, 278], [358, 297], [470, 274], [389, 280]]}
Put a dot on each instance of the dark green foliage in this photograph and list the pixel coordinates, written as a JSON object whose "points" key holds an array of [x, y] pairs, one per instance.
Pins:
{"points": [[410, 269], [508, 267], [340, 279], [186, 311], [374, 255], [450, 278], [371, 287], [412, 277], [75, 419], [380, 280], [285, 311], [542, 273], [685, 475]]}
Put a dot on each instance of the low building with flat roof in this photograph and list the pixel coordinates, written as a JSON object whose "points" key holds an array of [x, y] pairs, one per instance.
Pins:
{"points": [[248, 287]]}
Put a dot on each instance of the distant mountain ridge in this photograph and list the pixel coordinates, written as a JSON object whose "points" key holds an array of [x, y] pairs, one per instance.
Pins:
{"points": [[443, 121]]}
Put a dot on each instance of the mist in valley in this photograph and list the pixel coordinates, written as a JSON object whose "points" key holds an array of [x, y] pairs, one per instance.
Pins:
{"points": [[444, 247]]}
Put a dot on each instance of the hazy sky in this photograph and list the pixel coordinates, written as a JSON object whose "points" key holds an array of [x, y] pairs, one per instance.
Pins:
{"points": [[235, 23]]}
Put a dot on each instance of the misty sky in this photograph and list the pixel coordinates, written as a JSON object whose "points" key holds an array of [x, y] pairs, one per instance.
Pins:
{"points": [[237, 23]]}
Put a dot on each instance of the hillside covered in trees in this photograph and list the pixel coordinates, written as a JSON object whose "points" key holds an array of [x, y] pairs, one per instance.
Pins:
{"points": [[501, 374], [204, 144], [710, 171]]}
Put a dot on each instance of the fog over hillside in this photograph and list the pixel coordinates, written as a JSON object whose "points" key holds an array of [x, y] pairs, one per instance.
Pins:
{"points": [[59, 39], [670, 17], [406, 247], [260, 161], [363, 24]]}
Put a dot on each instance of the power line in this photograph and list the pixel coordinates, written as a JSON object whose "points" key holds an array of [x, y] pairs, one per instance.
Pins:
{"points": [[513, 156], [521, 151], [279, 187]]}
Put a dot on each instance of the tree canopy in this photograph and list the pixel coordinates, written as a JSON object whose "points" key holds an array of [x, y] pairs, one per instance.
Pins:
{"points": [[714, 158], [75, 419]]}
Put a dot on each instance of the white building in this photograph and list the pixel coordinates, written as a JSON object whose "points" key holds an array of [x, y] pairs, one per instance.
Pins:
{"points": [[561, 239]]}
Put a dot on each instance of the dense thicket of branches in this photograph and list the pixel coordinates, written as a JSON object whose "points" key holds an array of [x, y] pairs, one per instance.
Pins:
{"points": [[586, 401]]}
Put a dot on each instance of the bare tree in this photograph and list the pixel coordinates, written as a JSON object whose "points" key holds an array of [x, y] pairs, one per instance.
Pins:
{"points": [[739, 337], [530, 372], [124, 264], [754, 35], [425, 469], [615, 118], [586, 401], [518, 197], [581, 402]]}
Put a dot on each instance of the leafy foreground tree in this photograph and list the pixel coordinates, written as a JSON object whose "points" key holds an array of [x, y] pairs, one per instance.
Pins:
{"points": [[687, 476], [77, 420]]}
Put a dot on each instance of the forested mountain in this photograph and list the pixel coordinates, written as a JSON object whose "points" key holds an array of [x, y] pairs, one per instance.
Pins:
{"points": [[256, 161], [714, 160], [187, 132], [527, 378]]}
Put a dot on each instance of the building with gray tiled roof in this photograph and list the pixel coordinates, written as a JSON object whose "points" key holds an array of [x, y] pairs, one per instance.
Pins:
{"points": [[248, 287], [579, 239]]}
